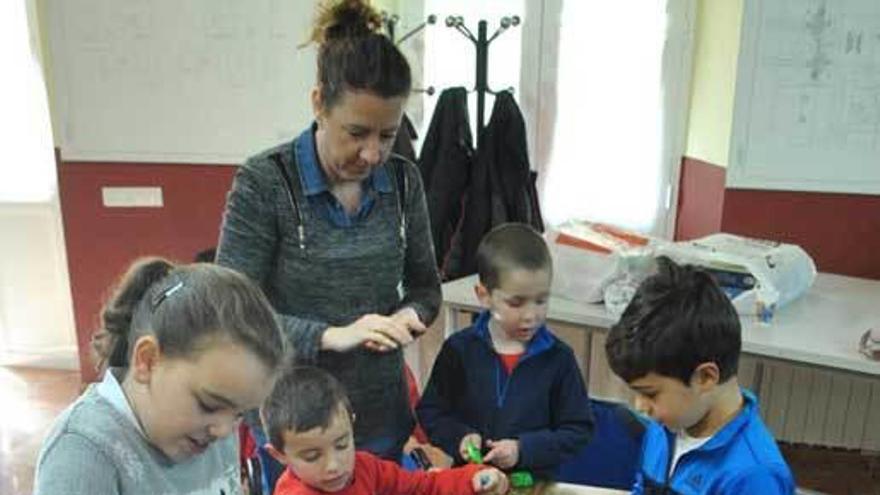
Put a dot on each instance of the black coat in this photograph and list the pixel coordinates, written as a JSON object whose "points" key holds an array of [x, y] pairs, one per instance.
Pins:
{"points": [[403, 142], [502, 185], [445, 163], [467, 195]]}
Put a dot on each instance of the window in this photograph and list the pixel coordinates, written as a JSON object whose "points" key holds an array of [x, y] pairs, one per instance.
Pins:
{"points": [[610, 84], [28, 166]]}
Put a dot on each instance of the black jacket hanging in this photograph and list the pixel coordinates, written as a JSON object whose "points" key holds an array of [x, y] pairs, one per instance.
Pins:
{"points": [[445, 164], [502, 187], [403, 142], [505, 150]]}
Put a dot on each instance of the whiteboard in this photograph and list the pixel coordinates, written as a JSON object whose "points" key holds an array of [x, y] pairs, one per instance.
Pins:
{"points": [[191, 81], [807, 110]]}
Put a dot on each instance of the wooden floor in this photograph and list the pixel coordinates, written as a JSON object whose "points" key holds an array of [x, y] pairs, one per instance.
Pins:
{"points": [[31, 398], [834, 471]]}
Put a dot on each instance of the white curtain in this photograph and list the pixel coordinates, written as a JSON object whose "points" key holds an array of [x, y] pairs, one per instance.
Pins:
{"points": [[607, 93]]}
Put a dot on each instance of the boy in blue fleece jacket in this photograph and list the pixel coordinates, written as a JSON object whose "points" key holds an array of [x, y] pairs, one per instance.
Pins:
{"points": [[677, 345], [506, 385]]}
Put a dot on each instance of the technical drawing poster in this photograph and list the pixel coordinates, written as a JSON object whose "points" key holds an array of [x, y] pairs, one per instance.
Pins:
{"points": [[807, 111]]}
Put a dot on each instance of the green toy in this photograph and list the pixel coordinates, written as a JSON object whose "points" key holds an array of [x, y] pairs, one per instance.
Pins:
{"points": [[521, 479], [473, 453]]}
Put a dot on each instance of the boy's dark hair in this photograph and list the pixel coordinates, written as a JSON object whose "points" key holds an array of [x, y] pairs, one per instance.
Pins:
{"points": [[183, 305], [678, 319], [303, 398], [511, 246], [354, 55]]}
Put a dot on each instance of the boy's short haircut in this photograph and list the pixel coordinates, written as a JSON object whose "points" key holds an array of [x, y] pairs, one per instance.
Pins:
{"points": [[304, 397], [678, 319], [511, 246]]}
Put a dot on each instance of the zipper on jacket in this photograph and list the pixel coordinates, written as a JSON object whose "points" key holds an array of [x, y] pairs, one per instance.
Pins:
{"points": [[501, 390], [671, 449]]}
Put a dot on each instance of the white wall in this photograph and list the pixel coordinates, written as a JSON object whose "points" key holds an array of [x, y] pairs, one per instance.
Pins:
{"points": [[36, 318]]}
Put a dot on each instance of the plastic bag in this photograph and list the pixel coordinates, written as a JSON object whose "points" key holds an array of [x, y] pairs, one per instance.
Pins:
{"points": [[635, 267], [588, 256], [759, 276]]}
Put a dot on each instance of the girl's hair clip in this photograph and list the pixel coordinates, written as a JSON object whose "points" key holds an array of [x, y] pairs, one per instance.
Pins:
{"points": [[165, 294]]}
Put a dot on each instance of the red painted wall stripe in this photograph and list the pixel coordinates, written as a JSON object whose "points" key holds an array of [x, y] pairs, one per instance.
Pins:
{"points": [[840, 231], [102, 242], [700, 199]]}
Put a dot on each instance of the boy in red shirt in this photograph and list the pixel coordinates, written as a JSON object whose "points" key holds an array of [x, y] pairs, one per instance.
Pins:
{"points": [[308, 420]]}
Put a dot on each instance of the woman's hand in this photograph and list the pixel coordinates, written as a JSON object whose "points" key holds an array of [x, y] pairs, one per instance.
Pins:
{"points": [[377, 332], [408, 316]]}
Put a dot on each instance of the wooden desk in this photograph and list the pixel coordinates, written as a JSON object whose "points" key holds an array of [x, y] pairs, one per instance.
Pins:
{"points": [[814, 385]]}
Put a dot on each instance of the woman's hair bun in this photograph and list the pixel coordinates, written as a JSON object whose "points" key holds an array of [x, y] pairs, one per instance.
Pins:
{"points": [[345, 19]]}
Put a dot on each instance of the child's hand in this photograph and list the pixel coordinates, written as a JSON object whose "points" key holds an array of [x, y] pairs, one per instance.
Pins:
{"points": [[502, 453], [473, 439], [490, 481]]}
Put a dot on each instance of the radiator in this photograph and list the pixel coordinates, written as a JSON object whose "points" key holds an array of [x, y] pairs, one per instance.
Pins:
{"points": [[815, 406]]}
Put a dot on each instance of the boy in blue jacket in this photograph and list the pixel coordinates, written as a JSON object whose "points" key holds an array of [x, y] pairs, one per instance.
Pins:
{"points": [[506, 385], [677, 345]]}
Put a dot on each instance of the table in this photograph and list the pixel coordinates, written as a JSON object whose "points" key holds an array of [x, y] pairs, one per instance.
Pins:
{"points": [[821, 328], [813, 384]]}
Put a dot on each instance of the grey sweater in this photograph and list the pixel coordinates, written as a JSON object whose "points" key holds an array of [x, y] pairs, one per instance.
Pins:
{"points": [[94, 448], [331, 276]]}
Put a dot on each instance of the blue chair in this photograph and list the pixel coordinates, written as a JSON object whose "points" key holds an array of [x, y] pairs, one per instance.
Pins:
{"points": [[611, 459]]}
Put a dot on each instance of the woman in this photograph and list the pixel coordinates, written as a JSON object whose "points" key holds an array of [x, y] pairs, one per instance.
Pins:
{"points": [[335, 228]]}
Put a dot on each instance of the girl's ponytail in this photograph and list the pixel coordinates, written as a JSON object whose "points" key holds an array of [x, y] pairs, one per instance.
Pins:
{"points": [[117, 314]]}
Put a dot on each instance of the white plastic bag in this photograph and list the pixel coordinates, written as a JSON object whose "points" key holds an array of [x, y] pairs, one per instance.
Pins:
{"points": [[634, 268], [780, 272], [588, 256]]}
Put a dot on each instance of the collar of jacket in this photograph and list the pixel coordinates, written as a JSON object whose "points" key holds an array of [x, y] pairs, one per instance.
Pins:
{"points": [[542, 341], [729, 431]]}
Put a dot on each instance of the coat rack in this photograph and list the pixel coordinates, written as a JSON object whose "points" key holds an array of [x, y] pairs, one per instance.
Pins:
{"points": [[481, 43], [390, 22]]}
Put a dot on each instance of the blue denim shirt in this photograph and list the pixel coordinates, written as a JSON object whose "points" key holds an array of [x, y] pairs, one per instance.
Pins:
{"points": [[315, 187]]}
